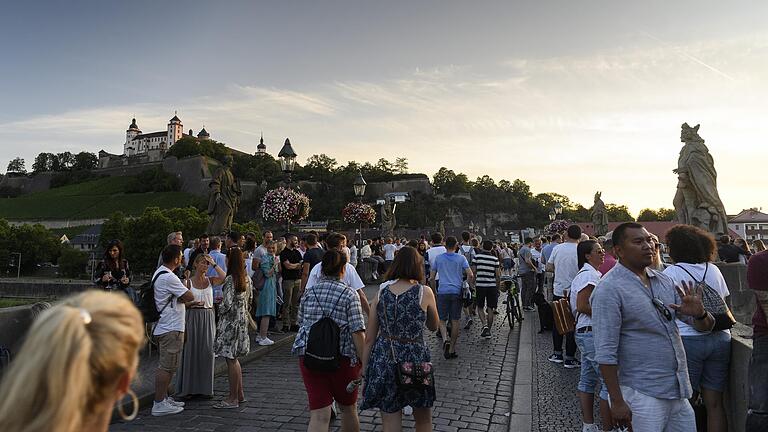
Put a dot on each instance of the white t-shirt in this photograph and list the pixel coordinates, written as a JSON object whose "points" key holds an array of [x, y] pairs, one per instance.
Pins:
{"points": [[187, 252], [536, 255], [169, 286], [566, 266], [714, 279], [588, 275], [351, 278], [434, 252], [353, 255], [389, 252]]}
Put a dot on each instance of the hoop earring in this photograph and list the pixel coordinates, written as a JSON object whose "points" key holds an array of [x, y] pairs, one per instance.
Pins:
{"points": [[135, 411]]}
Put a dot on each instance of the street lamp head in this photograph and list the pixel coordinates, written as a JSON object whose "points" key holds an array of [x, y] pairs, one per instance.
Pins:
{"points": [[558, 208], [359, 185], [287, 157]]}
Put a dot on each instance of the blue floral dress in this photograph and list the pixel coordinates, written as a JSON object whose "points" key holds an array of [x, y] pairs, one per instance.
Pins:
{"points": [[406, 319], [268, 294]]}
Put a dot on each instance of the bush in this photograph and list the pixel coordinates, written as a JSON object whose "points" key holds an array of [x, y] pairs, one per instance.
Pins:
{"points": [[154, 180], [72, 177], [72, 262]]}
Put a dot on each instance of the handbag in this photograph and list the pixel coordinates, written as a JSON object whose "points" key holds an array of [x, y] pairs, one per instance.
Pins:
{"points": [[563, 317], [713, 302], [416, 376]]}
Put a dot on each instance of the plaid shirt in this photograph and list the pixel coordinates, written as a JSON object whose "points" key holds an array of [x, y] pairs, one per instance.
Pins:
{"points": [[318, 301]]}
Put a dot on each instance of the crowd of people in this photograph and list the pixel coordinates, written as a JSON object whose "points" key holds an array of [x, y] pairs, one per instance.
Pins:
{"points": [[629, 294]]}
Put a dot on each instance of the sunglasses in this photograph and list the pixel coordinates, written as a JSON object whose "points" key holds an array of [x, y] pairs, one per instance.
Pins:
{"points": [[659, 305]]}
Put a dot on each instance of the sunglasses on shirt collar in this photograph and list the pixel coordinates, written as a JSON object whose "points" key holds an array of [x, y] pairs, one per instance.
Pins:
{"points": [[659, 305]]}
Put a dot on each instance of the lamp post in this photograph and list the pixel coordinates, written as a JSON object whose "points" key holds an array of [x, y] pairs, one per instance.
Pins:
{"points": [[287, 160], [287, 163], [359, 188], [18, 264]]}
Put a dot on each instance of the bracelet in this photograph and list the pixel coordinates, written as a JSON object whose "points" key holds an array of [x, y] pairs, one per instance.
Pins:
{"points": [[703, 317]]}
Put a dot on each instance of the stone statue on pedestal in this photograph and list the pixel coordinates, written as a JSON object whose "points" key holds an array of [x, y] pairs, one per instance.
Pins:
{"points": [[599, 216], [388, 219], [697, 201], [223, 198]]}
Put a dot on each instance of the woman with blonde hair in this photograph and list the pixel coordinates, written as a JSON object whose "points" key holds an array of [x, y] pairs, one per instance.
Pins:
{"points": [[77, 362], [758, 246]]}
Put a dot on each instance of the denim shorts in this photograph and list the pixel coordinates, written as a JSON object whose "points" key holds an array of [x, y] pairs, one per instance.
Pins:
{"points": [[449, 306], [709, 358], [590, 370]]}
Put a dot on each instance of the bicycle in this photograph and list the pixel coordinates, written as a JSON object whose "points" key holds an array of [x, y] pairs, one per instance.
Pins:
{"points": [[513, 311]]}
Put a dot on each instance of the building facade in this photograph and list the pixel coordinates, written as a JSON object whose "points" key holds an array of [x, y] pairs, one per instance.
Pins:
{"points": [[750, 224], [139, 143]]}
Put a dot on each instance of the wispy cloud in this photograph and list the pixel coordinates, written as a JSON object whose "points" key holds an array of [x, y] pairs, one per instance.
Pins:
{"points": [[607, 120]]}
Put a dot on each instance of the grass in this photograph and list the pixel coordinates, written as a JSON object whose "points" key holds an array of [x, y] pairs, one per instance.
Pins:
{"points": [[11, 302], [93, 199]]}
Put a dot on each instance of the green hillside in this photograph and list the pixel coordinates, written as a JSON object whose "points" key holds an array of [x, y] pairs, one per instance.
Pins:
{"points": [[92, 199]]}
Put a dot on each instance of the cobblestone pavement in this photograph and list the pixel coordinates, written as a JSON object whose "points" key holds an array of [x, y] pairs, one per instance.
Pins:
{"points": [[473, 393], [555, 405]]}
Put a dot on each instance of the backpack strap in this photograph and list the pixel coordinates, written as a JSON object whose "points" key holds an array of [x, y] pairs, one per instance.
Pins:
{"points": [[706, 267], [152, 287], [326, 315]]}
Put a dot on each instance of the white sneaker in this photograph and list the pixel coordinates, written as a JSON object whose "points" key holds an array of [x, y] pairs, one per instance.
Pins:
{"points": [[258, 338], [266, 342], [165, 408], [174, 402], [407, 410], [590, 427]]}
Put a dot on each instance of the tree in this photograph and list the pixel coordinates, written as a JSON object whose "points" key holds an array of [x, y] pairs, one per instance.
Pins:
{"points": [[650, 215], [321, 162], [85, 161], [385, 165], [618, 213], [42, 162], [72, 262], [17, 165], [66, 161], [449, 183], [401, 165], [114, 228]]}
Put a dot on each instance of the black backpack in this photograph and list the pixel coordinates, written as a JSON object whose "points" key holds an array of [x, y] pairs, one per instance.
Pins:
{"points": [[323, 352], [147, 305]]}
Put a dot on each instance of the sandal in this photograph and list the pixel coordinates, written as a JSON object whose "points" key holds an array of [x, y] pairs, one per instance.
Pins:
{"points": [[447, 350], [223, 404]]}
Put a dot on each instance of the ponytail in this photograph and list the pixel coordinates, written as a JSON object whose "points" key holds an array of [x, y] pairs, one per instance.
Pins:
{"points": [[71, 361]]}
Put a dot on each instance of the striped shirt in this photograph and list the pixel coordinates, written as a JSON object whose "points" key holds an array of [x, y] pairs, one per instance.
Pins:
{"points": [[486, 265]]}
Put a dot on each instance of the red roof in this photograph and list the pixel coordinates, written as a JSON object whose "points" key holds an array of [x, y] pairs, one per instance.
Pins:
{"points": [[658, 228]]}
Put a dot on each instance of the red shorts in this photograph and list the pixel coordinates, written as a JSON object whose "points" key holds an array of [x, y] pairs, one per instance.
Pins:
{"points": [[325, 387]]}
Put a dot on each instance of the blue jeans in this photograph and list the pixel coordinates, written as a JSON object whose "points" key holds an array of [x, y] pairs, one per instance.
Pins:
{"points": [[709, 357], [590, 370]]}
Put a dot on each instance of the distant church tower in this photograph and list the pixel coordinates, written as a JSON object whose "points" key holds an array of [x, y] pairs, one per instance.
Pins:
{"points": [[175, 130], [261, 149], [203, 134], [129, 148]]}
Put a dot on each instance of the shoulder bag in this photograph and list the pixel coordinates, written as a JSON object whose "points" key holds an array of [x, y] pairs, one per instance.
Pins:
{"points": [[409, 376]]}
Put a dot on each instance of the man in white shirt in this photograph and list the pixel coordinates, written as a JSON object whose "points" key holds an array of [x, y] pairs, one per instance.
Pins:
{"points": [[351, 278], [170, 296], [389, 253], [564, 263], [435, 251]]}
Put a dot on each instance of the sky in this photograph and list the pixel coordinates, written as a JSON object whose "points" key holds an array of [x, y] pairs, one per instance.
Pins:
{"points": [[572, 97]]}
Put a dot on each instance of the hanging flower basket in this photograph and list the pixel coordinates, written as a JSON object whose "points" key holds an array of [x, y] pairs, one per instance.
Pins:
{"points": [[357, 213], [557, 226], [283, 205]]}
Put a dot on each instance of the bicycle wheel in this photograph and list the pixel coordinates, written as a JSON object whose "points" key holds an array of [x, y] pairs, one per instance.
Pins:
{"points": [[511, 309], [518, 312]]}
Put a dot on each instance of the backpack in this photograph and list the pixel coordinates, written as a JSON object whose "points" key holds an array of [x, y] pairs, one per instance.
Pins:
{"points": [[147, 305], [467, 253], [713, 303], [323, 350]]}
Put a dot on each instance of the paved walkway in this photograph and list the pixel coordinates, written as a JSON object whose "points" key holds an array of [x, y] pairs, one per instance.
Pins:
{"points": [[474, 393], [555, 404]]}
